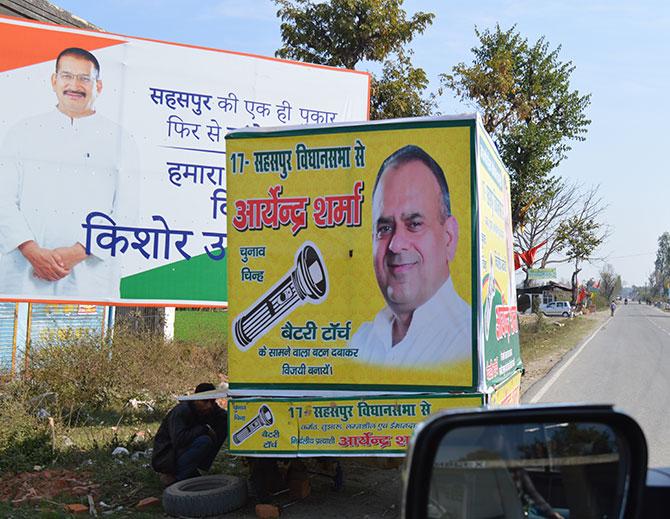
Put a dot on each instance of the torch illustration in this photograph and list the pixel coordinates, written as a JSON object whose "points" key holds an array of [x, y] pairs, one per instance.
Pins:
{"points": [[306, 283], [264, 419]]}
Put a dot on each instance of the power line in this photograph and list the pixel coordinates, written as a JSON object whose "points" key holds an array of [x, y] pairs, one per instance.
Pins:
{"points": [[633, 255]]}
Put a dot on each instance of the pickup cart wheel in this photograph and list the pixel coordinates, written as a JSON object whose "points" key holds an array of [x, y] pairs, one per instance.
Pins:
{"points": [[205, 496], [565, 314]]}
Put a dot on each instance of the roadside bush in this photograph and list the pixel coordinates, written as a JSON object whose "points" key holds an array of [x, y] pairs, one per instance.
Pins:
{"points": [[540, 323], [601, 302], [92, 373], [80, 371], [24, 439]]}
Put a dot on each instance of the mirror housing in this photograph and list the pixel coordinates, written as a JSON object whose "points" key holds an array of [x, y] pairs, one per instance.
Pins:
{"points": [[630, 451]]}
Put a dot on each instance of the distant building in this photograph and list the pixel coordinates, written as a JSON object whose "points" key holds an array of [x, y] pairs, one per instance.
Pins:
{"points": [[546, 293]]}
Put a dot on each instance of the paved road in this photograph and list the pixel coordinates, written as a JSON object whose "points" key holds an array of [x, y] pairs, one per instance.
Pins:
{"points": [[627, 362]]}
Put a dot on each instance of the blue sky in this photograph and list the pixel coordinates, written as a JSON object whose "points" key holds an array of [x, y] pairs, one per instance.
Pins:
{"points": [[621, 51]]}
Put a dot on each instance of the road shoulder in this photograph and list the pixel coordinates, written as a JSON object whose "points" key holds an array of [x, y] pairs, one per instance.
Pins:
{"points": [[550, 342]]}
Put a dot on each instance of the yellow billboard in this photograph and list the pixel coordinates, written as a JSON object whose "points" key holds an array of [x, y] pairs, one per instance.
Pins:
{"points": [[353, 257], [499, 331], [379, 426], [507, 393]]}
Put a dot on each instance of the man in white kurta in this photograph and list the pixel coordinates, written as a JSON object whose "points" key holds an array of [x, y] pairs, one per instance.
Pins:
{"points": [[55, 169], [425, 323], [439, 333]]}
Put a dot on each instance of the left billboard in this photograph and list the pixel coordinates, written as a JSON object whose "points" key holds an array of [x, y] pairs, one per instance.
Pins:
{"points": [[112, 159]]}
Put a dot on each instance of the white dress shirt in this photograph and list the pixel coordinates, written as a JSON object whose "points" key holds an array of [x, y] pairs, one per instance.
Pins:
{"points": [[54, 170], [440, 332]]}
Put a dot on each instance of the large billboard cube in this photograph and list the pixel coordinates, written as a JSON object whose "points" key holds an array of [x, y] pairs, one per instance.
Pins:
{"points": [[371, 257]]}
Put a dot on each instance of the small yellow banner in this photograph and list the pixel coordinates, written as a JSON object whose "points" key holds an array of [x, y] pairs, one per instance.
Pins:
{"points": [[379, 426], [508, 393]]}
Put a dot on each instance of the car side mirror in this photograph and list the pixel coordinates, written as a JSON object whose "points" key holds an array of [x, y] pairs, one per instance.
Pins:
{"points": [[527, 461]]}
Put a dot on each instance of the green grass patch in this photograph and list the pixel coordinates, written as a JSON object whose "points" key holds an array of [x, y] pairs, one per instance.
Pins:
{"points": [[205, 327], [38, 511]]}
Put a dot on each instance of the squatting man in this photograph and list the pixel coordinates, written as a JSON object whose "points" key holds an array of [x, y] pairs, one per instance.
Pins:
{"points": [[189, 438], [414, 239], [56, 168]]}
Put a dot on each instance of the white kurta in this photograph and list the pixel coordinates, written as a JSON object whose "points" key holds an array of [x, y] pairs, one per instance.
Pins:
{"points": [[54, 170], [440, 333]]}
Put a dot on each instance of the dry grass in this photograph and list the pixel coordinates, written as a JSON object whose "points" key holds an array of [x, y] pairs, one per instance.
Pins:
{"points": [[91, 373]]}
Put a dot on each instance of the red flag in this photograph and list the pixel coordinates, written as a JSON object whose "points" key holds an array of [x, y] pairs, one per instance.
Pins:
{"points": [[581, 296], [528, 257]]}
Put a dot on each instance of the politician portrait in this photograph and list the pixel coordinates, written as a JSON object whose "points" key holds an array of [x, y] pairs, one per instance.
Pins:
{"points": [[55, 169], [414, 241]]}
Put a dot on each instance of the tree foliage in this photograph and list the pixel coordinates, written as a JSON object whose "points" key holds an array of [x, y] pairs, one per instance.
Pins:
{"points": [[344, 33], [610, 282], [543, 220], [569, 220], [341, 33], [523, 92], [659, 279], [582, 233], [398, 92]]}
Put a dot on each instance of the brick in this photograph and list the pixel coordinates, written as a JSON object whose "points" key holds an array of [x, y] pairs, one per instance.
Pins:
{"points": [[300, 488], [267, 511], [76, 508], [148, 502]]}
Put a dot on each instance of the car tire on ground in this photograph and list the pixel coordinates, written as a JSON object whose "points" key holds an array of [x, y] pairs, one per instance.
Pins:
{"points": [[205, 496], [565, 314]]}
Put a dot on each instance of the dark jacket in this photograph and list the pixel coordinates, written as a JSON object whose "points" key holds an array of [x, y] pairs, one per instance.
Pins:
{"points": [[179, 428]]}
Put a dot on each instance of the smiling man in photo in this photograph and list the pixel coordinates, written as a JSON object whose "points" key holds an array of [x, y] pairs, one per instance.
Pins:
{"points": [[414, 241], [55, 168]]}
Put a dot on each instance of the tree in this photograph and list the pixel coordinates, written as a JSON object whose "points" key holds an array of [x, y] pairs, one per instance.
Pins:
{"points": [[582, 233], [343, 33], [398, 92], [568, 220], [523, 93], [543, 220], [610, 282], [660, 278]]}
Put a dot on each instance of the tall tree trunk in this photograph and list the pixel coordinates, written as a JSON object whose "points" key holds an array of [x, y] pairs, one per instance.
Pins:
{"points": [[574, 282]]}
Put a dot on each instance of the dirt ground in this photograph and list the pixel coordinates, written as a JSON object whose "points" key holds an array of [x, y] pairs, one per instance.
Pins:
{"points": [[372, 490], [33, 487], [372, 487]]}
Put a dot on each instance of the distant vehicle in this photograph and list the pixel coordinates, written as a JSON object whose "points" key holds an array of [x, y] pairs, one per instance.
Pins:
{"points": [[558, 308]]}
